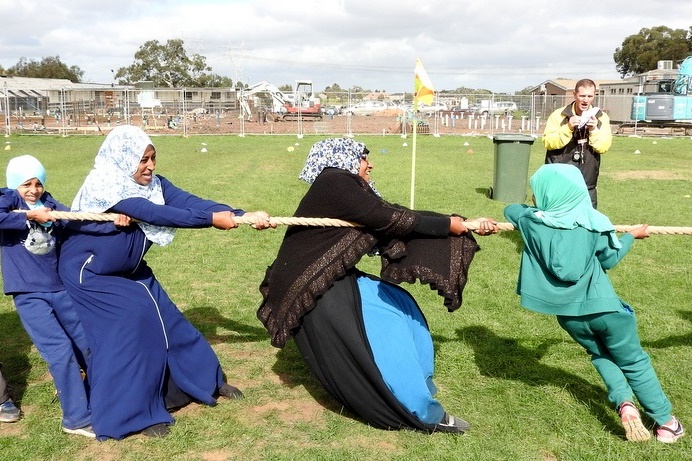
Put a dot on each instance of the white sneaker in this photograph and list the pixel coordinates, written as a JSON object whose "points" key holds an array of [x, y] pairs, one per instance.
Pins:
{"points": [[9, 413], [85, 431]]}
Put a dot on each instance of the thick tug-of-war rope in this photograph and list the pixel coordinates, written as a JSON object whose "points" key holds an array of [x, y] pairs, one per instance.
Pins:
{"points": [[331, 222]]}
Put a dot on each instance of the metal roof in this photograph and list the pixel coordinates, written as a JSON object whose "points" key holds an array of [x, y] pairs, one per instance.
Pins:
{"points": [[35, 85]]}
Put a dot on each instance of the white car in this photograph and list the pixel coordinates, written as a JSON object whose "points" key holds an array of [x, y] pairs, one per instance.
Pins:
{"points": [[366, 108], [435, 107]]}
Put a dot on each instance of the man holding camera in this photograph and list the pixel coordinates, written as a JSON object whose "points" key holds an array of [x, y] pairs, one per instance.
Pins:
{"points": [[578, 134]]}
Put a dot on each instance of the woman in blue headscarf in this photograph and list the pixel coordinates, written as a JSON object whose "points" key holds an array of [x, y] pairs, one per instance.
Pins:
{"points": [[365, 339], [568, 246], [140, 342]]}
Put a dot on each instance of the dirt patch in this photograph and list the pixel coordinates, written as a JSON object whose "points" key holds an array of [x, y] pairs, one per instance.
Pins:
{"points": [[548, 456], [110, 450], [191, 409], [293, 411], [383, 122], [12, 430], [650, 174], [218, 455]]}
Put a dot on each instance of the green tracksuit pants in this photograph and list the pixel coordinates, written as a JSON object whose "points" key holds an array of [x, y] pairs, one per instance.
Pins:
{"points": [[612, 341]]}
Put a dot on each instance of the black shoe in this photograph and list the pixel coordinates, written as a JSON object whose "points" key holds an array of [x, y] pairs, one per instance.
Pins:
{"points": [[157, 430], [230, 392], [452, 424]]}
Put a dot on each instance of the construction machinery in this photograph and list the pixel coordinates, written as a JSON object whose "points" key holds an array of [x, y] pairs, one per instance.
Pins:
{"points": [[300, 104], [671, 101]]}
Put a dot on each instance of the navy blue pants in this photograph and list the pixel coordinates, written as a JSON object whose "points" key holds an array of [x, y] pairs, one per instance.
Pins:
{"points": [[51, 322]]}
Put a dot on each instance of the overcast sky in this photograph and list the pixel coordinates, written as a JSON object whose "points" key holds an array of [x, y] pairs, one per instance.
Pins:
{"points": [[500, 45]]}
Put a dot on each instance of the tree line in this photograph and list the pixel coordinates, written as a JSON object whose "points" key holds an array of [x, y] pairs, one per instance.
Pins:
{"points": [[168, 65]]}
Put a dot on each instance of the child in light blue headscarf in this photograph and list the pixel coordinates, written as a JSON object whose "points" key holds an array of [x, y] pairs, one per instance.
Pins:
{"points": [[568, 246], [28, 239]]}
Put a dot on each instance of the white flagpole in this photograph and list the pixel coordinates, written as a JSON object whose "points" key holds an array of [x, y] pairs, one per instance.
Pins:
{"points": [[421, 82], [414, 122]]}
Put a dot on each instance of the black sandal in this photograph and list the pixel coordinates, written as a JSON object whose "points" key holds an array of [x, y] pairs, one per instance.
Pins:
{"points": [[452, 425]]}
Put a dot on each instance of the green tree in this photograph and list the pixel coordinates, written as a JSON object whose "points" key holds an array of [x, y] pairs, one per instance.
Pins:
{"points": [[465, 90], [168, 65], [335, 88], [48, 67], [641, 52], [215, 81]]}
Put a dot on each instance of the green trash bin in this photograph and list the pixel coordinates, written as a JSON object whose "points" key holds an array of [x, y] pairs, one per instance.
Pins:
{"points": [[512, 153]]}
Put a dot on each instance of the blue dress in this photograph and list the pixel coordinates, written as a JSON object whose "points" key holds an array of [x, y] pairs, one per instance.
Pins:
{"points": [[136, 333]]}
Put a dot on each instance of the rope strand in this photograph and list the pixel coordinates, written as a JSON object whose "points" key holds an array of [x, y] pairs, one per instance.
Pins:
{"points": [[331, 222]]}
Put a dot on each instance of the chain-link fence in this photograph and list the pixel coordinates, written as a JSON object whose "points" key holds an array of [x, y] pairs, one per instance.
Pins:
{"points": [[225, 111]]}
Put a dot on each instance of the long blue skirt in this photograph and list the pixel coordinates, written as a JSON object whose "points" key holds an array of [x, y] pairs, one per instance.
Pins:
{"points": [[135, 333], [401, 346]]}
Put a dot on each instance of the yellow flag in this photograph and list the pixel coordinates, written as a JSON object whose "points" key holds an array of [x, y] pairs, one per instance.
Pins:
{"points": [[423, 88]]}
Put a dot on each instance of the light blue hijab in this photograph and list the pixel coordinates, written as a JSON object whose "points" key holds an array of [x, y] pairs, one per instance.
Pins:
{"points": [[20, 170], [23, 168], [112, 179], [563, 201]]}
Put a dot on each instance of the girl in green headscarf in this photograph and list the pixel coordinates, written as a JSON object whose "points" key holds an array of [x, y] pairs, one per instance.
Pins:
{"points": [[568, 246]]}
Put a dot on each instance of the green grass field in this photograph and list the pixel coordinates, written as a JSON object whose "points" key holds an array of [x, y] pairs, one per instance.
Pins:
{"points": [[528, 390]]}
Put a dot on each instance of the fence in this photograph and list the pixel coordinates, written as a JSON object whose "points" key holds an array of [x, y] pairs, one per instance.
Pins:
{"points": [[217, 111]]}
